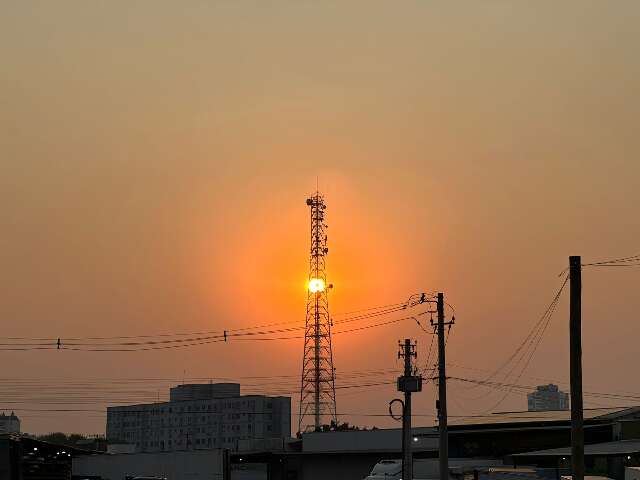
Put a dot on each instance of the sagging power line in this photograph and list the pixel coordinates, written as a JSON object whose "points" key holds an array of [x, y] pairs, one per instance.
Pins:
{"points": [[164, 341]]}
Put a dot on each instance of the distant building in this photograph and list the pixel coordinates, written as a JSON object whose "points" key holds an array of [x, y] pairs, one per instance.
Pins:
{"points": [[9, 423], [200, 416], [547, 397]]}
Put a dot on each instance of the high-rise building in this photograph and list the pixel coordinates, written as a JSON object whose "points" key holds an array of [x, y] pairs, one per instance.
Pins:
{"points": [[200, 416], [547, 397], [9, 423]]}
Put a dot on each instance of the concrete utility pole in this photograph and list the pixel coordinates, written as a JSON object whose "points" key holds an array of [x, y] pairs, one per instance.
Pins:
{"points": [[575, 365], [442, 392], [408, 383]]}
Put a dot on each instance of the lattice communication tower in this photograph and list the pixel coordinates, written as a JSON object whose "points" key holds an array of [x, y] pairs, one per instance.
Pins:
{"points": [[317, 389]]}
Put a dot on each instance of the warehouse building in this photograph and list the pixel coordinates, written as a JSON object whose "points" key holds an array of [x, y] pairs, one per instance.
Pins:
{"points": [[192, 465], [345, 455]]}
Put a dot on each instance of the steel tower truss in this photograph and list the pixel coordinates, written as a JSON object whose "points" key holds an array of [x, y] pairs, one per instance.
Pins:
{"points": [[317, 389]]}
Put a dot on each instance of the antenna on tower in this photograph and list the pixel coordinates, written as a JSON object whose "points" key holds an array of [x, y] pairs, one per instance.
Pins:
{"points": [[317, 387]]}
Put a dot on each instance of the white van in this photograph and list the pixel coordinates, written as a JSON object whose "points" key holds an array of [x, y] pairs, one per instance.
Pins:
{"points": [[386, 470], [427, 468], [392, 470]]}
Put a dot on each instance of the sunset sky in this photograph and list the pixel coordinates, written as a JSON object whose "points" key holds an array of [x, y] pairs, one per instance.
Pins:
{"points": [[155, 159]]}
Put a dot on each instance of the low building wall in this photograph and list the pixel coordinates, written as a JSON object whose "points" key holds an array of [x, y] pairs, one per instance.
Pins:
{"points": [[189, 465]]}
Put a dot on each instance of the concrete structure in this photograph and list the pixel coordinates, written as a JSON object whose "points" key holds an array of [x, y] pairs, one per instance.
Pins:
{"points": [[547, 397], [352, 454], [194, 465], [198, 417], [9, 423], [115, 448], [608, 458], [203, 391], [380, 440], [345, 455]]}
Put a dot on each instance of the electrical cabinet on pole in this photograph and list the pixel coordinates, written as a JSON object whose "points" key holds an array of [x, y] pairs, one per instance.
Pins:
{"points": [[408, 383]]}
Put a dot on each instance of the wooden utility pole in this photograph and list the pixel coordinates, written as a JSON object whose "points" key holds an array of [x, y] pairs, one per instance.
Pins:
{"points": [[575, 365], [442, 393], [407, 383]]}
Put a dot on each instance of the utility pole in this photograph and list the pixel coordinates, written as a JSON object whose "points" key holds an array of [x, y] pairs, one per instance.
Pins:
{"points": [[575, 366], [409, 382], [442, 390]]}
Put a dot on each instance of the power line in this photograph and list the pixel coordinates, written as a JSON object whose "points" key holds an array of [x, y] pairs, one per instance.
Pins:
{"points": [[616, 265], [541, 333], [59, 380], [633, 258], [163, 341], [258, 337], [530, 343], [528, 388]]}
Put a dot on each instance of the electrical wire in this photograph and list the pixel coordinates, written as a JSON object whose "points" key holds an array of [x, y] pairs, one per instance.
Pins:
{"points": [[261, 336], [165, 341], [632, 258], [538, 340], [518, 354]]}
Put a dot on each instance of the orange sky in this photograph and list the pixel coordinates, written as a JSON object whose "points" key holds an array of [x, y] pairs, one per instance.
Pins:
{"points": [[155, 158]]}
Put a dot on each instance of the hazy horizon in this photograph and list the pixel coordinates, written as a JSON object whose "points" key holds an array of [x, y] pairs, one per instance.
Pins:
{"points": [[156, 159]]}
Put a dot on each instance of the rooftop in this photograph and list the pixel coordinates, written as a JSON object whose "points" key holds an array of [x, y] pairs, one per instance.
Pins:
{"points": [[590, 414], [381, 440], [618, 448]]}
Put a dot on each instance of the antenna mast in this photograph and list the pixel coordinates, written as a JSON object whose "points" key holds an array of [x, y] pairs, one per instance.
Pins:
{"points": [[317, 388]]}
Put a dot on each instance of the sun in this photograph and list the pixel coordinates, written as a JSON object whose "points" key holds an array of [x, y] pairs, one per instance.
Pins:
{"points": [[316, 285]]}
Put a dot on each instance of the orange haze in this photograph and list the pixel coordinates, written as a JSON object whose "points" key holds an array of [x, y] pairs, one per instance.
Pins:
{"points": [[155, 158]]}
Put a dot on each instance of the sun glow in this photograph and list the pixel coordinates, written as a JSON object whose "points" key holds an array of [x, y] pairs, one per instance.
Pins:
{"points": [[316, 285]]}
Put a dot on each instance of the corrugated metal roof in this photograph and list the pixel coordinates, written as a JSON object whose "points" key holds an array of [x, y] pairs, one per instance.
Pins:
{"points": [[381, 440], [621, 447], [547, 416]]}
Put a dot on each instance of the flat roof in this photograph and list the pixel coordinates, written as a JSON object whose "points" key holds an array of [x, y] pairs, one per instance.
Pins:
{"points": [[379, 440], [544, 416], [620, 447]]}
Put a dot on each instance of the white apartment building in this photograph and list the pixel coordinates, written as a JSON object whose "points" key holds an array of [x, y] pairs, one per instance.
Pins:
{"points": [[547, 397], [200, 416]]}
